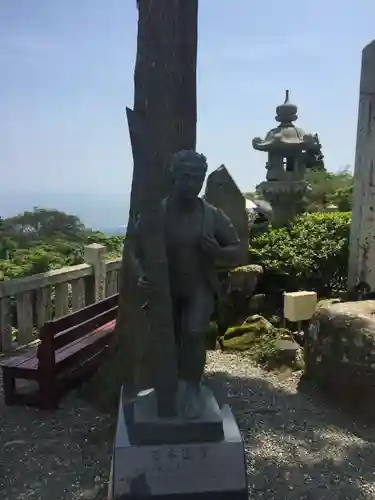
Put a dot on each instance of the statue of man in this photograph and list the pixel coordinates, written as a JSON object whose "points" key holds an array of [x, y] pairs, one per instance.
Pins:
{"points": [[199, 238]]}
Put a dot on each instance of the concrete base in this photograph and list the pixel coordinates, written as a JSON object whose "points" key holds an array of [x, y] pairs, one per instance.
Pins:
{"points": [[146, 428], [202, 470]]}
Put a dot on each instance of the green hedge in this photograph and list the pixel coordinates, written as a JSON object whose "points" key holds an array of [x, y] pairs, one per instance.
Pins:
{"points": [[311, 253]]}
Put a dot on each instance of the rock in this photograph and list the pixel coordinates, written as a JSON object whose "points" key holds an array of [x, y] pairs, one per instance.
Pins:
{"points": [[242, 337], [240, 286], [257, 303], [269, 346], [245, 279], [289, 352], [340, 351], [211, 336]]}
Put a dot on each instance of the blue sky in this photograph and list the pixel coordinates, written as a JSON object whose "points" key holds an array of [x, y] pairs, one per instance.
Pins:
{"points": [[67, 75]]}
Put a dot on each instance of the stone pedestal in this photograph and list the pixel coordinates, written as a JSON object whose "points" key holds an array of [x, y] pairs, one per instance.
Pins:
{"points": [[185, 470], [145, 427], [285, 198]]}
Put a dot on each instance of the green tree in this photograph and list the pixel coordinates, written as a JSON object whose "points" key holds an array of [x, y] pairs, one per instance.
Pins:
{"points": [[329, 188], [41, 223], [7, 244], [43, 239], [342, 197]]}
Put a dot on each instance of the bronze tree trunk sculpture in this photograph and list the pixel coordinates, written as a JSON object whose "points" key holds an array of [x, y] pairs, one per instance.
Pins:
{"points": [[165, 98]]}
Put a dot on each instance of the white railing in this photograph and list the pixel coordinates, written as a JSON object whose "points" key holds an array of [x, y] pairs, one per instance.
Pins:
{"points": [[26, 303]]}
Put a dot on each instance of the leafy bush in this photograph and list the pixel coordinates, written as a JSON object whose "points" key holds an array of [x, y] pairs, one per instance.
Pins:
{"points": [[311, 253]]}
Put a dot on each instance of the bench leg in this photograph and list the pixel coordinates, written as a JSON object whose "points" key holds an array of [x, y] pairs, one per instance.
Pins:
{"points": [[9, 388], [48, 394]]}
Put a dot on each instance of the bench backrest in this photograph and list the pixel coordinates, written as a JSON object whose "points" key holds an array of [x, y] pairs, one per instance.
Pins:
{"points": [[59, 332], [58, 325]]}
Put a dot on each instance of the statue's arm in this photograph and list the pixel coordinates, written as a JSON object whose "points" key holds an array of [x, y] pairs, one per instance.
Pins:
{"points": [[228, 239], [136, 253]]}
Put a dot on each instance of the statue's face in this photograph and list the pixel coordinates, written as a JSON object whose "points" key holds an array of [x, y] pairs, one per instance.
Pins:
{"points": [[188, 181]]}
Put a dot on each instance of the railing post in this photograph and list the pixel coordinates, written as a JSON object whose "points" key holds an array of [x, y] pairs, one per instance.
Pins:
{"points": [[5, 325], [94, 255]]}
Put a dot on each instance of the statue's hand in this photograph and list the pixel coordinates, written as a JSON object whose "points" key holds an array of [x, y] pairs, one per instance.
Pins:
{"points": [[144, 283], [211, 246]]}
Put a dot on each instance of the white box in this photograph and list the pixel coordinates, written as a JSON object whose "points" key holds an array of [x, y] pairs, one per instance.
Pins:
{"points": [[299, 306]]}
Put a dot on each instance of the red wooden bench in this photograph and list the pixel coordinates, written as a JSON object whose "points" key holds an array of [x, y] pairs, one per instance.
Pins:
{"points": [[69, 351]]}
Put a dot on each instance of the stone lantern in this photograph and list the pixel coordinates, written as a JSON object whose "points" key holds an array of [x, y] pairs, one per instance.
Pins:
{"points": [[290, 151]]}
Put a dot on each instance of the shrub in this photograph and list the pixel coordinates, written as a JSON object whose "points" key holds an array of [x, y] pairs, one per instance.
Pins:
{"points": [[310, 253]]}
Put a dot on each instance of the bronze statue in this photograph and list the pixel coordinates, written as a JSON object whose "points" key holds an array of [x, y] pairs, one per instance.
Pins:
{"points": [[199, 238]]}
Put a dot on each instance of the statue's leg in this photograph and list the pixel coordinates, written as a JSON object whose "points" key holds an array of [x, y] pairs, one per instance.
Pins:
{"points": [[178, 326], [196, 317]]}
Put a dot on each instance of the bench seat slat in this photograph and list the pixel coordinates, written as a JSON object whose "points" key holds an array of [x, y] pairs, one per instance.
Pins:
{"points": [[75, 345], [82, 350], [17, 361], [30, 362], [90, 337]]}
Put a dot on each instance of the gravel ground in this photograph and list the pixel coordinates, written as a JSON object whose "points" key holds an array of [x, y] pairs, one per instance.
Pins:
{"points": [[48, 457], [297, 445], [61, 455]]}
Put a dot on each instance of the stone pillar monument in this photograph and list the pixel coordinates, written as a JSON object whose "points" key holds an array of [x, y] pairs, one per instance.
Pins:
{"points": [[362, 232], [222, 192]]}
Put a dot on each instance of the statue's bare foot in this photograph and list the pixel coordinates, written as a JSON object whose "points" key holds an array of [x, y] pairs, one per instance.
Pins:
{"points": [[192, 403]]}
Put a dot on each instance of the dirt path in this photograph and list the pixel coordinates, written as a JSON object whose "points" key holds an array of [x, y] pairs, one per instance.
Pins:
{"points": [[296, 446]]}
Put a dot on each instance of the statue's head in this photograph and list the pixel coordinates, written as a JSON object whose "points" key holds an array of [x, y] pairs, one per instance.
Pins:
{"points": [[188, 171]]}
